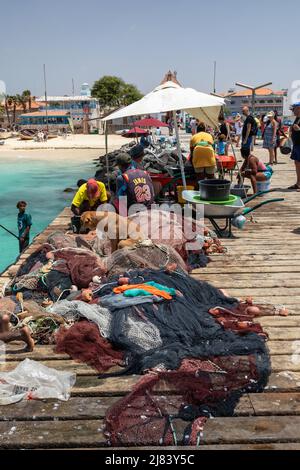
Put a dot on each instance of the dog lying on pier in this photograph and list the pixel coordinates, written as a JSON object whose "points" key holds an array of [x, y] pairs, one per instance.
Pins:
{"points": [[122, 232]]}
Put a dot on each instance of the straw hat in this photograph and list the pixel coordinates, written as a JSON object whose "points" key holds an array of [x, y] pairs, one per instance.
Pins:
{"points": [[270, 114]]}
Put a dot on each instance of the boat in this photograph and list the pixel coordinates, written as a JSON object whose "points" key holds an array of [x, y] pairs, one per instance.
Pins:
{"points": [[28, 134], [5, 135]]}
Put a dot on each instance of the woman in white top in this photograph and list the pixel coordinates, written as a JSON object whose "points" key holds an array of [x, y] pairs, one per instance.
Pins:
{"points": [[238, 129]]}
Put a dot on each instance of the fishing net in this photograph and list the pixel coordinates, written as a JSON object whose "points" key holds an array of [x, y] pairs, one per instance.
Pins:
{"points": [[198, 390], [81, 264], [97, 351], [145, 255], [59, 240], [74, 310]]}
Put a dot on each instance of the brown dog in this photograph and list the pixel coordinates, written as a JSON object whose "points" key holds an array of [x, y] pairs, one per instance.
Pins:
{"points": [[122, 232]]}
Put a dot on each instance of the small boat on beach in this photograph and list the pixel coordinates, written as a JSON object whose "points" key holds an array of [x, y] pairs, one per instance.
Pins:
{"points": [[28, 134], [5, 135]]}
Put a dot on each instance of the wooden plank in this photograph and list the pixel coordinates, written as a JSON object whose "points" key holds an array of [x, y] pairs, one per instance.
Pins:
{"points": [[40, 353], [86, 408], [281, 381], [252, 430], [281, 347], [89, 433], [66, 365], [288, 333], [47, 410]]}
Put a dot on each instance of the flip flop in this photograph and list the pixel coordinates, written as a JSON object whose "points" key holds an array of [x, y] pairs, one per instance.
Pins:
{"points": [[295, 186]]}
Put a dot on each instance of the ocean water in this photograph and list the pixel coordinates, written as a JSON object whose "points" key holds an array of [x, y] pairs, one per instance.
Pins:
{"points": [[40, 181]]}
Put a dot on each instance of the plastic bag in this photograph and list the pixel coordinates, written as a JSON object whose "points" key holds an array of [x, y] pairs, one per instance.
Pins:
{"points": [[31, 380]]}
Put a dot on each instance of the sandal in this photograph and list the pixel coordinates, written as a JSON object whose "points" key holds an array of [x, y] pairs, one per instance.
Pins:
{"points": [[295, 186]]}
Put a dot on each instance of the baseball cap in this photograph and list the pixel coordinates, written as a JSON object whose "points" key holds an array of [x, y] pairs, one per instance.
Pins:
{"points": [[295, 105], [92, 188], [136, 151], [123, 159]]}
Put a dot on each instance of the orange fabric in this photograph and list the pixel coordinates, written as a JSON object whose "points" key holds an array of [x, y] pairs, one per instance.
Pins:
{"points": [[150, 289]]}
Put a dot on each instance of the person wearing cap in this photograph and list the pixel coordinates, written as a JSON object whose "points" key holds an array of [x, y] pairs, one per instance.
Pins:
{"points": [[137, 154], [295, 136], [89, 196], [270, 137], [133, 183]]}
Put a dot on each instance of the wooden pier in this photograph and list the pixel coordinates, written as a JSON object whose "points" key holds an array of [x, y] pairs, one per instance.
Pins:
{"points": [[262, 261]]}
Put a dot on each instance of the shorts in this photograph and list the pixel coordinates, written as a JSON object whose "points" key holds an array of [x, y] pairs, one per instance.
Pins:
{"points": [[23, 245], [296, 153], [268, 173], [248, 144], [209, 170]]}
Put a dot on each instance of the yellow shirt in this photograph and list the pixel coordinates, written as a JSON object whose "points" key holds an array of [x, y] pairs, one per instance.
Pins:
{"points": [[203, 156], [82, 195]]}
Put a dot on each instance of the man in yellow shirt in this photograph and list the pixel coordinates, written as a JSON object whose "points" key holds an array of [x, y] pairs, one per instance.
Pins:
{"points": [[88, 197], [202, 153]]}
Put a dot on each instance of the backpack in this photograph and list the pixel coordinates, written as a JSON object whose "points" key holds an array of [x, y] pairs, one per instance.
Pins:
{"points": [[254, 128]]}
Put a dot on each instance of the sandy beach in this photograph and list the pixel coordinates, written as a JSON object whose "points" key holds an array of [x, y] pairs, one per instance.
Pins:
{"points": [[76, 141]]}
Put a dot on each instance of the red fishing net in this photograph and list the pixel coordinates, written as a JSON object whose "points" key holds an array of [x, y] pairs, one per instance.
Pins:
{"points": [[83, 342]]}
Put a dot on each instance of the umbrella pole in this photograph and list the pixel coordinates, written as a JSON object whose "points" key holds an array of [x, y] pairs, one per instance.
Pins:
{"points": [[179, 150], [106, 155], [236, 161]]}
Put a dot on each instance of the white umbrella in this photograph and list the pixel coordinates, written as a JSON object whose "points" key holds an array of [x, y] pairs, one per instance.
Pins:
{"points": [[172, 97]]}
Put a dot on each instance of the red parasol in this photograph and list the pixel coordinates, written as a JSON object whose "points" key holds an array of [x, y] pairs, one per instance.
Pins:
{"points": [[150, 122], [135, 132]]}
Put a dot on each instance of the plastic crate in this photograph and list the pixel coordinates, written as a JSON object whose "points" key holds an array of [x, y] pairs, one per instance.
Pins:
{"points": [[226, 162]]}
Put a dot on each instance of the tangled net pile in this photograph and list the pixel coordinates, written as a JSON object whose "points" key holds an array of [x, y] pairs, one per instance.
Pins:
{"points": [[192, 353], [202, 346]]}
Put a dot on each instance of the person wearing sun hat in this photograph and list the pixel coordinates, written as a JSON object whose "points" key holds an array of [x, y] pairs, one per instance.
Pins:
{"points": [[295, 136]]}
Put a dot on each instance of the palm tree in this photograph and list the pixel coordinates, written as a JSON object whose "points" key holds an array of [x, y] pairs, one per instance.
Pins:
{"points": [[12, 101], [7, 104], [26, 96]]}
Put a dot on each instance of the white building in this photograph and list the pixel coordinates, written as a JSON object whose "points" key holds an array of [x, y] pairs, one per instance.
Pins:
{"points": [[81, 108]]}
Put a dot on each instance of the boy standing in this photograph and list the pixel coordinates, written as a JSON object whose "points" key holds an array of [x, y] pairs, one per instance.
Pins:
{"points": [[24, 225]]}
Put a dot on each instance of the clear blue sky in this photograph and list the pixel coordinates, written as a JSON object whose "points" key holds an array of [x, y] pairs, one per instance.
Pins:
{"points": [[138, 40]]}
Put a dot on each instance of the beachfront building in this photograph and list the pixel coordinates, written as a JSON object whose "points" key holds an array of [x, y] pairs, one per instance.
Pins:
{"points": [[83, 109], [13, 110], [265, 100], [40, 120]]}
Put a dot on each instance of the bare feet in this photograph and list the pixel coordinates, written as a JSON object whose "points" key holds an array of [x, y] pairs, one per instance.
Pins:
{"points": [[22, 334], [26, 337], [4, 323]]}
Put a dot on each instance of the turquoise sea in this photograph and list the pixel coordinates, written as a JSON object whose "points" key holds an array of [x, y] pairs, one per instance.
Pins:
{"points": [[39, 178]]}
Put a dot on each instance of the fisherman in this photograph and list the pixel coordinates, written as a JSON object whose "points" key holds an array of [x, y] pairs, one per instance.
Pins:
{"points": [[24, 225], [133, 183], [88, 198], [137, 154], [203, 154]]}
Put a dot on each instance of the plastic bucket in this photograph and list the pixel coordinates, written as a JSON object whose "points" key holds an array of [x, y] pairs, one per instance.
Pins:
{"points": [[214, 190], [263, 185], [180, 189]]}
